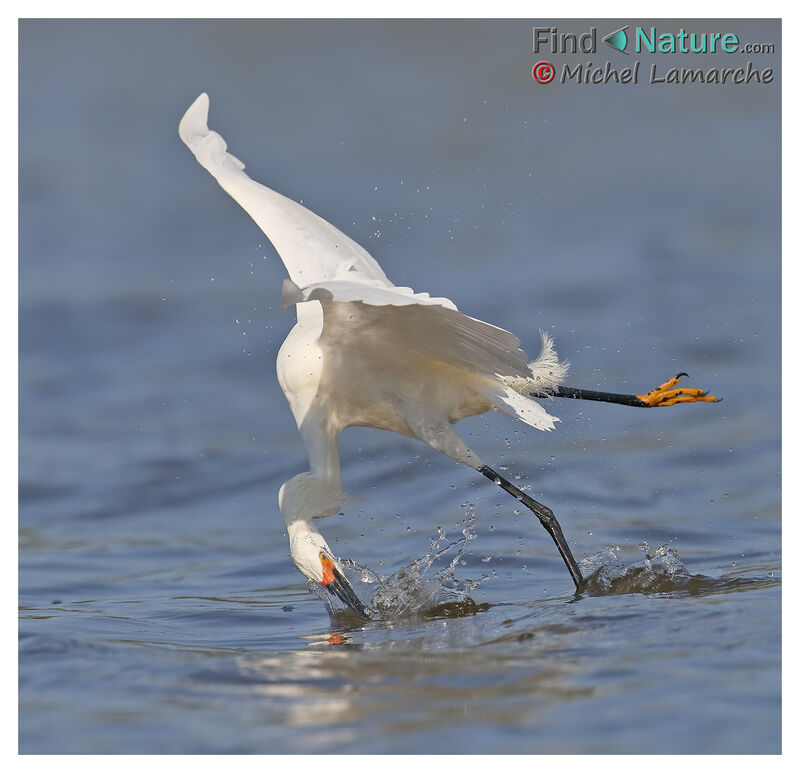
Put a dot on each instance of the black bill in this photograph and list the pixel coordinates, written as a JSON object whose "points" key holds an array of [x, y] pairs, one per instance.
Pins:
{"points": [[340, 587]]}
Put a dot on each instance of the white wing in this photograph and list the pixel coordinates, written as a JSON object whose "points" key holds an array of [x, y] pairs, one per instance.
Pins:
{"points": [[311, 248], [428, 329], [327, 266], [489, 356]]}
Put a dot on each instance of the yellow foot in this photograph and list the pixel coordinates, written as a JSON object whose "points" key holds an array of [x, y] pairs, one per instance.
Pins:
{"points": [[665, 395]]}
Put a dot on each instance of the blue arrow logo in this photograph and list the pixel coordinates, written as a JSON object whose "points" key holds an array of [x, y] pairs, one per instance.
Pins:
{"points": [[617, 39]]}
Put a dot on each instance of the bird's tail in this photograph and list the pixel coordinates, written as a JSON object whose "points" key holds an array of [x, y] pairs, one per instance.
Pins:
{"points": [[512, 395], [547, 372]]}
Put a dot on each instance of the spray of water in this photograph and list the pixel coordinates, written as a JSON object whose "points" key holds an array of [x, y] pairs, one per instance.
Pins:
{"points": [[424, 586], [663, 572], [428, 587]]}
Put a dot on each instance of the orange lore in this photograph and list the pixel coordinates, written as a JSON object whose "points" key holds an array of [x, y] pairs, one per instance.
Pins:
{"points": [[327, 569]]}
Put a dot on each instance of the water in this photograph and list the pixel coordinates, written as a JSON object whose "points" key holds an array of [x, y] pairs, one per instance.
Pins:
{"points": [[159, 610]]}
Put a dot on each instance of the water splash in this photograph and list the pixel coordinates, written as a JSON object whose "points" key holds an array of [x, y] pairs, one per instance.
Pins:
{"points": [[417, 593], [414, 591], [663, 572], [602, 569]]}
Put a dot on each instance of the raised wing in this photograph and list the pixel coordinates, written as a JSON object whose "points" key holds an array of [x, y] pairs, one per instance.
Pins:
{"points": [[326, 266], [311, 248]]}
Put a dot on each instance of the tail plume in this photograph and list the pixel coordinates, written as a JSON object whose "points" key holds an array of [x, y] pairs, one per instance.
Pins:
{"points": [[512, 394], [547, 372]]}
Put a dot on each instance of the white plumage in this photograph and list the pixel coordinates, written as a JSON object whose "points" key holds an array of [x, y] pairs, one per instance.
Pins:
{"points": [[367, 353]]}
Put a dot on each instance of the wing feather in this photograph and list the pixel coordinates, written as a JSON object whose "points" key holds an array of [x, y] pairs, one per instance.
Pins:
{"points": [[428, 330], [311, 248], [443, 335]]}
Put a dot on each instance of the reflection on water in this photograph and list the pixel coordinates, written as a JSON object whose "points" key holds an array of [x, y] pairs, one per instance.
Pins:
{"points": [[519, 667]]}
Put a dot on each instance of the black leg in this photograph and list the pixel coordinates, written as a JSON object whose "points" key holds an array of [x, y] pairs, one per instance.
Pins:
{"points": [[604, 397], [660, 396], [545, 516]]}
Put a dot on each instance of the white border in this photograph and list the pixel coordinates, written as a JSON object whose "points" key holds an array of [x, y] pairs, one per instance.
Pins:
{"points": [[427, 9]]}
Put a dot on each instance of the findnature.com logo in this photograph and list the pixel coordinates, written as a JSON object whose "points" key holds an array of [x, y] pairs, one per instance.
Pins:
{"points": [[647, 40]]}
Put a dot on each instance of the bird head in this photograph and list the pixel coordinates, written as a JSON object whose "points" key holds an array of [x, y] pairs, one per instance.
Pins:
{"points": [[302, 499]]}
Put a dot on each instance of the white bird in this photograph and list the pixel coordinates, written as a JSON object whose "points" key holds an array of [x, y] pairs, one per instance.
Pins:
{"points": [[367, 353]]}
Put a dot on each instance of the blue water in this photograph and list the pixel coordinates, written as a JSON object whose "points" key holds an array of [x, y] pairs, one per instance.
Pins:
{"points": [[640, 226]]}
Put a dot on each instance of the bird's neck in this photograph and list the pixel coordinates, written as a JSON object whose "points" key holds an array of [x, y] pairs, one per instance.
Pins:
{"points": [[300, 528], [306, 496]]}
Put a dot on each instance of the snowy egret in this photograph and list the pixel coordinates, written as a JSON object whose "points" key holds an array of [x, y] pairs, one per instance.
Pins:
{"points": [[367, 353]]}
